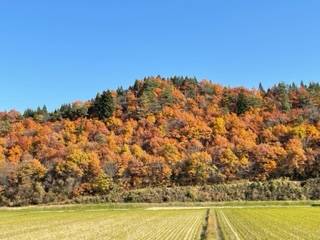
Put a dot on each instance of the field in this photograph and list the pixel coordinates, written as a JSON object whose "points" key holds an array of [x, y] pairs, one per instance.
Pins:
{"points": [[163, 223], [98, 223], [271, 223]]}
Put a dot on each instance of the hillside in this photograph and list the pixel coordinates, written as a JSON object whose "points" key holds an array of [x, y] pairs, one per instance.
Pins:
{"points": [[160, 132]]}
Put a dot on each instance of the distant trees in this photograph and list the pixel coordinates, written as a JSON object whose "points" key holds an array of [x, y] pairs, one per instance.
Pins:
{"points": [[148, 99], [197, 168], [245, 102], [160, 132], [70, 111], [102, 106], [41, 114], [239, 102], [5, 126], [261, 89], [281, 94]]}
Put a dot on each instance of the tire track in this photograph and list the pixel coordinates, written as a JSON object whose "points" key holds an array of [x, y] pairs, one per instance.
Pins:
{"points": [[230, 226]]}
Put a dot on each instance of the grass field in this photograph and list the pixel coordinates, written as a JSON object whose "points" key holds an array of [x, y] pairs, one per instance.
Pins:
{"points": [[270, 223], [163, 223], [101, 224]]}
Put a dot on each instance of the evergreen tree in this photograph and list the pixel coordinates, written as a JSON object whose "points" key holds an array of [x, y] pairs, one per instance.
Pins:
{"points": [[261, 89], [166, 98], [283, 97], [41, 114], [241, 104], [245, 101], [29, 113], [148, 100], [120, 91], [103, 106]]}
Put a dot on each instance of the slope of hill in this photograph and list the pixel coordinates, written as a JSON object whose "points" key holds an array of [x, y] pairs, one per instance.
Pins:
{"points": [[160, 132]]}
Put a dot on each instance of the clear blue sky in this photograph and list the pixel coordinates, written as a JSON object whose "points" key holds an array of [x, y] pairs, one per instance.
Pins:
{"points": [[54, 52]]}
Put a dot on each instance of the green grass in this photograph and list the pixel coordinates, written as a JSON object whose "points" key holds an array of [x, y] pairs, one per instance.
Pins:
{"points": [[270, 223], [245, 221], [99, 223]]}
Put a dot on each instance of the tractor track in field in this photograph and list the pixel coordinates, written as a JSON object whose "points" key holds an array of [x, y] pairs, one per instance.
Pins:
{"points": [[205, 226], [219, 235], [230, 226]]}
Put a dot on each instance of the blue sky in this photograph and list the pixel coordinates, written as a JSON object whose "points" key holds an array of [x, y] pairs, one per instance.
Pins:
{"points": [[54, 52]]}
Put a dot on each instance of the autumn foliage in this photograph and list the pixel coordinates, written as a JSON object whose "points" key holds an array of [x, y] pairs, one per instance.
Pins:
{"points": [[160, 132]]}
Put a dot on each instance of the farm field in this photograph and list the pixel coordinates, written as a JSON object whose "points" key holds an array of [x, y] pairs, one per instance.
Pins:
{"points": [[163, 223], [269, 223], [101, 224]]}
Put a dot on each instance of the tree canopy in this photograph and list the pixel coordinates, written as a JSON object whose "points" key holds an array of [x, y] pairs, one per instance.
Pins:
{"points": [[161, 132]]}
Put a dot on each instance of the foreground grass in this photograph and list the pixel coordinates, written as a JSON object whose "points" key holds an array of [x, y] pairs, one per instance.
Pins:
{"points": [[251, 220], [269, 223], [101, 224]]}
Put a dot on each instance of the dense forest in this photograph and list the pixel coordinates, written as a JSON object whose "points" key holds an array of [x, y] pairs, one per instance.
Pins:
{"points": [[169, 132]]}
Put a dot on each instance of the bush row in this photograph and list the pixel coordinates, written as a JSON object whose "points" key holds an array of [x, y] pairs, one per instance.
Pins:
{"points": [[281, 189]]}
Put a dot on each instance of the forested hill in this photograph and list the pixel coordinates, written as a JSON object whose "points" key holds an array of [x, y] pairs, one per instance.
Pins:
{"points": [[160, 132]]}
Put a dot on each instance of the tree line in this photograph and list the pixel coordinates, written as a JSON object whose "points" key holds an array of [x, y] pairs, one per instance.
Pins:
{"points": [[174, 131]]}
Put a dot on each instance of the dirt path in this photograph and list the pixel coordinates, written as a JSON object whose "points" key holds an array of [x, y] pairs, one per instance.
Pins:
{"points": [[220, 207]]}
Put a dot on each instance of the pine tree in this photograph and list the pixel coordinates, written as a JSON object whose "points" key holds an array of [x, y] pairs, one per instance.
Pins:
{"points": [[241, 104], [261, 89], [284, 97], [103, 106]]}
